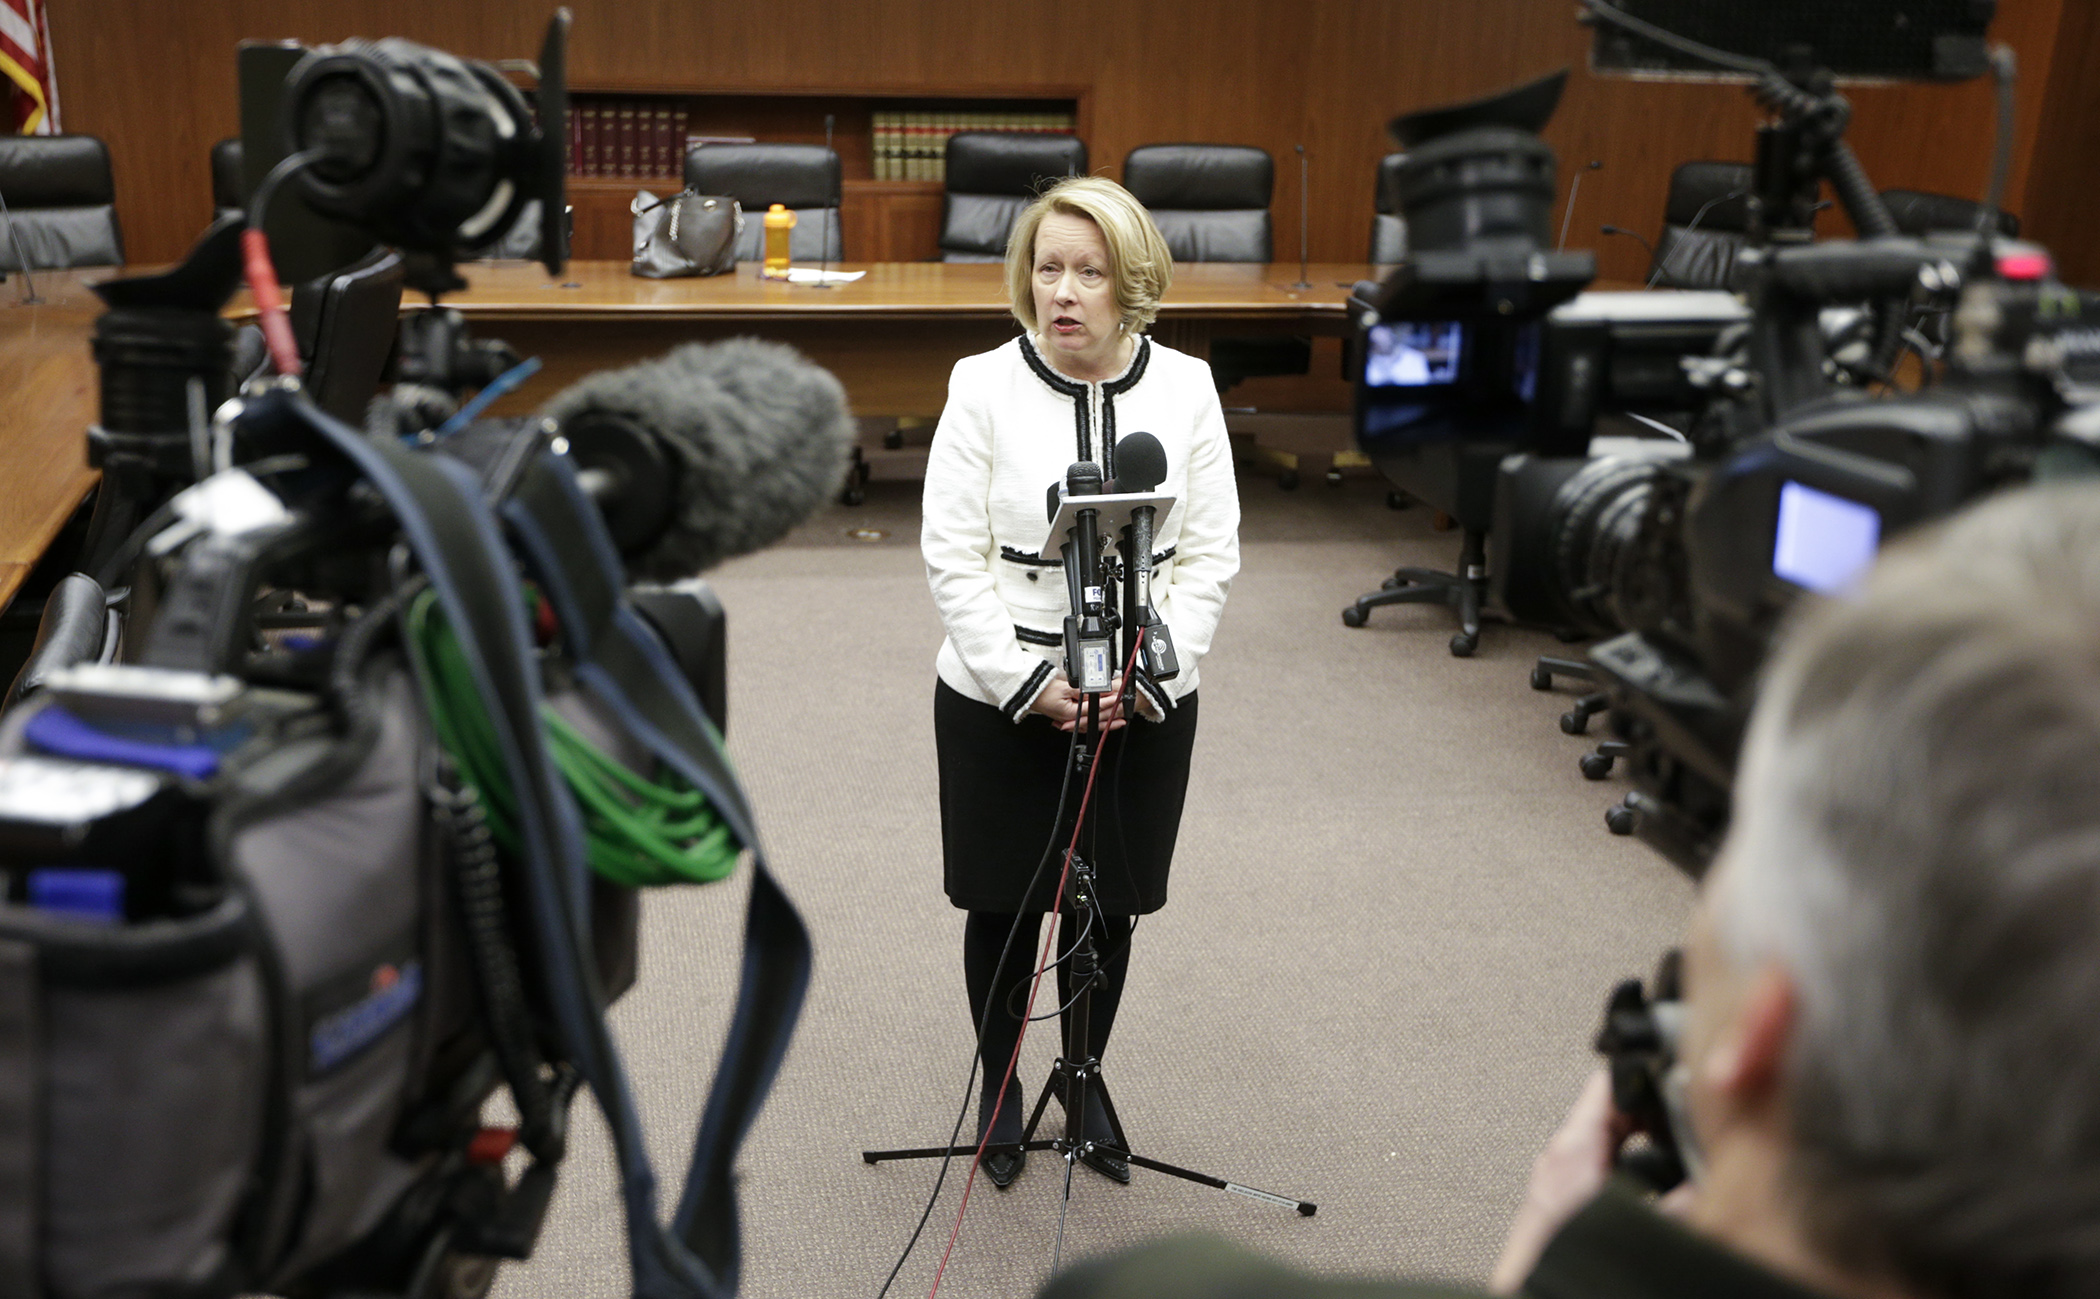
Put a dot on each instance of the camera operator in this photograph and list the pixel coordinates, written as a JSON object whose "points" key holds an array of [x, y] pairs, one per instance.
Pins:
{"points": [[1890, 1082]]}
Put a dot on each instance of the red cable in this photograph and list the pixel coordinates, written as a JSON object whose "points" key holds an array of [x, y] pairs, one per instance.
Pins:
{"points": [[1042, 964], [269, 302]]}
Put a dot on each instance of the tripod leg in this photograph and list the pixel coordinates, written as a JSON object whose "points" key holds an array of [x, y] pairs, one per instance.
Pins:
{"points": [[1057, 1252], [1036, 1115], [1115, 1123]]}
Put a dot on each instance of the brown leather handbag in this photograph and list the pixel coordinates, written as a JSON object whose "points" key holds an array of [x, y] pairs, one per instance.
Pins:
{"points": [[685, 234]]}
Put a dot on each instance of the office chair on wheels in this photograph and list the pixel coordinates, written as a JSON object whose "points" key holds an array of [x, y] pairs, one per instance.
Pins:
{"points": [[61, 202], [992, 176], [1461, 473], [804, 178]]}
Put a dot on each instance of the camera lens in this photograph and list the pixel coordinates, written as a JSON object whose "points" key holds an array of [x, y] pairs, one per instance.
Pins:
{"points": [[342, 121]]}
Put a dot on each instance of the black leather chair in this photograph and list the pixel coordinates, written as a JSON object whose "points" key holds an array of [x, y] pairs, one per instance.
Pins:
{"points": [[1211, 201], [227, 195], [1705, 224], [804, 178], [61, 201], [1920, 213], [1388, 226], [992, 176]]}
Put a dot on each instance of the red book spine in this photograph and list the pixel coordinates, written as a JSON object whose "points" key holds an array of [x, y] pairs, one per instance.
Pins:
{"points": [[625, 137], [593, 141], [575, 125]]}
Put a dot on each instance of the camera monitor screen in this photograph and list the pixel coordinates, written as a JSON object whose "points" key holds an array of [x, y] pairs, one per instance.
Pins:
{"points": [[1860, 40], [1824, 542], [1439, 380]]}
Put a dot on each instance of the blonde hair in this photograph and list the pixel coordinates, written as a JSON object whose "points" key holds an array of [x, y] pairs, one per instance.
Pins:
{"points": [[1138, 261]]}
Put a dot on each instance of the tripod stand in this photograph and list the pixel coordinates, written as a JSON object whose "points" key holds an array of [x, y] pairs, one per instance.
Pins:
{"points": [[1077, 1075]]}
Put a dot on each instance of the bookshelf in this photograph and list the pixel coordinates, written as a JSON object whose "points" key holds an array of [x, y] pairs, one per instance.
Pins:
{"points": [[883, 218]]}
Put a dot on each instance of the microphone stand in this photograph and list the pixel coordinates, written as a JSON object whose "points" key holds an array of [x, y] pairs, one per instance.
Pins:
{"points": [[1304, 219], [1077, 1075], [824, 236], [14, 236]]}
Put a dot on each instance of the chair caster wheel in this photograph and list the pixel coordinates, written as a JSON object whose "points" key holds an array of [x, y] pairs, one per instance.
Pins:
{"points": [[1541, 679], [1288, 480], [1397, 500], [1573, 723], [894, 439], [864, 471], [853, 495], [1463, 644], [1352, 617], [1391, 584], [1619, 818], [1596, 766]]}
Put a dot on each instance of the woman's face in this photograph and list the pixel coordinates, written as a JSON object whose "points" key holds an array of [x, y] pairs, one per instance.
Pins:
{"points": [[1075, 296]]}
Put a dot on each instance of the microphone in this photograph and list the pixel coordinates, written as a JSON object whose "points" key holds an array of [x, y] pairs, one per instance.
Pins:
{"points": [[824, 235], [711, 451], [1636, 237], [1304, 225], [1141, 466], [1567, 218], [1087, 649]]}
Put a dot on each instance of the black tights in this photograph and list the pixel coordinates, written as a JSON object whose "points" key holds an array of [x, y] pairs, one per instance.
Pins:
{"points": [[984, 934]]}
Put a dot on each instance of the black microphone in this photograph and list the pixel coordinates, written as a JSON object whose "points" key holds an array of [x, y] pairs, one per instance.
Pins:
{"points": [[1141, 466], [711, 451], [1087, 650], [1636, 237], [1567, 218]]}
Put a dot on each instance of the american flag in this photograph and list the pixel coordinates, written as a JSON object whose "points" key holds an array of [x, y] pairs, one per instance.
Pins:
{"points": [[25, 64]]}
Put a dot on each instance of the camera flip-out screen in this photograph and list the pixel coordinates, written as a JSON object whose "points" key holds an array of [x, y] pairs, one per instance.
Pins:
{"points": [[1823, 542], [1436, 380]]}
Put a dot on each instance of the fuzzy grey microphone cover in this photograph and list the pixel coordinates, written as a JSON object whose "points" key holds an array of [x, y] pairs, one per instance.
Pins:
{"points": [[761, 433]]}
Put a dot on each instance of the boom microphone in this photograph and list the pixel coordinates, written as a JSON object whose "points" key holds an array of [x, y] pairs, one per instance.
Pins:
{"points": [[711, 451]]}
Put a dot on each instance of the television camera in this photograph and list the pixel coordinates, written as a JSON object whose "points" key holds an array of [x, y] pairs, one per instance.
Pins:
{"points": [[1786, 456], [330, 832]]}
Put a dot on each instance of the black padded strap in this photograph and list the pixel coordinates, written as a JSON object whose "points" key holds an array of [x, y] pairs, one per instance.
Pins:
{"points": [[21, 1131]]}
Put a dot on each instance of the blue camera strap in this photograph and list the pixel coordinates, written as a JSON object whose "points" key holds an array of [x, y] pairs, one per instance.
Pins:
{"points": [[455, 537]]}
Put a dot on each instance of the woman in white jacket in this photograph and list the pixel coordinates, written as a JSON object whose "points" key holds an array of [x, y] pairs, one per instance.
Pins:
{"points": [[1085, 268]]}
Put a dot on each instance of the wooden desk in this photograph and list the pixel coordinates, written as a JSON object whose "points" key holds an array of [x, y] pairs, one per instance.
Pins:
{"points": [[48, 380], [891, 337]]}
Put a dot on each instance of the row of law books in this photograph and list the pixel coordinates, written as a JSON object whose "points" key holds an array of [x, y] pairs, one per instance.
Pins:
{"points": [[627, 138], [914, 146]]}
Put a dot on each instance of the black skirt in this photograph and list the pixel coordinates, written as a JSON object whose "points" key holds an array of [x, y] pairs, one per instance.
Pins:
{"points": [[999, 787]]}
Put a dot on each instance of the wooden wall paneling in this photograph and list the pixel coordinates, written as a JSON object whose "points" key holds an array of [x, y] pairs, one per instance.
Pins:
{"points": [[892, 221], [2057, 202], [1272, 73]]}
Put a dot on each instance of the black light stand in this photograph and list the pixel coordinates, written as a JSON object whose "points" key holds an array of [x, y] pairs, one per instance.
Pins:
{"points": [[1077, 1075]]}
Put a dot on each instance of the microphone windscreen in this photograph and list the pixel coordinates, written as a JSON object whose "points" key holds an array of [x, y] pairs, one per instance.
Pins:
{"points": [[759, 434], [1141, 463], [1083, 479]]}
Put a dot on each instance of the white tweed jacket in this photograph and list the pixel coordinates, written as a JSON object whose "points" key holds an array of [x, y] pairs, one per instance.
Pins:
{"points": [[1012, 426]]}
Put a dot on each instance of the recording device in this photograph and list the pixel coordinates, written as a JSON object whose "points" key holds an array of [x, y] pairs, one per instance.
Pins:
{"points": [[1639, 1040], [409, 146], [347, 837], [1089, 653], [1785, 475]]}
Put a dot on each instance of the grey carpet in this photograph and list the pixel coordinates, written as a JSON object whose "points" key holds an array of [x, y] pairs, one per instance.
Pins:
{"points": [[1395, 915]]}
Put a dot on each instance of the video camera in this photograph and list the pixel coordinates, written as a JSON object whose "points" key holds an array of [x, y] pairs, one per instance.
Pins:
{"points": [[327, 793], [1777, 470]]}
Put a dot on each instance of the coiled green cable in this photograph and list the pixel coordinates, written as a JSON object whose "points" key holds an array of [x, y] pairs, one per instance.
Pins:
{"points": [[638, 832]]}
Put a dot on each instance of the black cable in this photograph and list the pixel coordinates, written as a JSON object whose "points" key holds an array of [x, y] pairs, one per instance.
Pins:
{"points": [[984, 1021], [259, 204]]}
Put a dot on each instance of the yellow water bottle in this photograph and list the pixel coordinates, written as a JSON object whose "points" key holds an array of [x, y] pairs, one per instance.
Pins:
{"points": [[779, 224]]}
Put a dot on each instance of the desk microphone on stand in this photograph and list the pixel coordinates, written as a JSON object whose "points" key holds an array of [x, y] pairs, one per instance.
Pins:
{"points": [[824, 235], [1574, 189], [14, 237], [1304, 220]]}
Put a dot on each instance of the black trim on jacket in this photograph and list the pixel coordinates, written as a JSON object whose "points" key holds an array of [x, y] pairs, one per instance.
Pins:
{"points": [[1109, 392], [1034, 560], [1030, 636], [1016, 705], [1072, 388]]}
